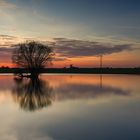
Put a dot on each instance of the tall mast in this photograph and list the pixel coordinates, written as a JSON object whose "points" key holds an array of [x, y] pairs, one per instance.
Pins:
{"points": [[101, 61]]}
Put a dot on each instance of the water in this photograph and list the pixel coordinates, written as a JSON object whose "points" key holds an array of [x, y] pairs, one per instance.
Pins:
{"points": [[70, 107]]}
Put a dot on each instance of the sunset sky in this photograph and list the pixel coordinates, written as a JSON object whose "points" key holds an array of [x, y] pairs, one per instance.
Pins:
{"points": [[78, 30]]}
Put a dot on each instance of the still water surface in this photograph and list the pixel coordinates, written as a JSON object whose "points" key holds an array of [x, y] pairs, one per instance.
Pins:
{"points": [[70, 107]]}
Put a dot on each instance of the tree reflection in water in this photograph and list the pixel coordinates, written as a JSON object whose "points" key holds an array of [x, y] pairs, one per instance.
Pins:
{"points": [[32, 93]]}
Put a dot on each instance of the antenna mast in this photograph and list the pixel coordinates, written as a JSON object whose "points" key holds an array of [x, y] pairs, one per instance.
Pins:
{"points": [[101, 61]]}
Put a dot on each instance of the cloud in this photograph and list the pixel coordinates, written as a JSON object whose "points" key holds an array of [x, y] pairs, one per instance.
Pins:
{"points": [[79, 48], [60, 59], [7, 37], [6, 4], [3, 49], [7, 40], [5, 54], [66, 48]]}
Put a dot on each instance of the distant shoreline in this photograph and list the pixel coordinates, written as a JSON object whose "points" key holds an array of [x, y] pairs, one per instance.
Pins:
{"points": [[76, 70]]}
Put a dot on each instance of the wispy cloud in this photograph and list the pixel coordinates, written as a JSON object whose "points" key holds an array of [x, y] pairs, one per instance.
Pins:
{"points": [[79, 48], [7, 40], [6, 4], [66, 48]]}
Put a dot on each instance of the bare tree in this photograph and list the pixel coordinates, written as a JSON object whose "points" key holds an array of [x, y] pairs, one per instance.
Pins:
{"points": [[32, 56]]}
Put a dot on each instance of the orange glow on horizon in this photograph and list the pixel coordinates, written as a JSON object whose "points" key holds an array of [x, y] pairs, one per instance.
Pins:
{"points": [[123, 59], [6, 64]]}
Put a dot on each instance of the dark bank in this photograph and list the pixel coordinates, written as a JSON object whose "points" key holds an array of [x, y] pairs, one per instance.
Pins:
{"points": [[76, 70]]}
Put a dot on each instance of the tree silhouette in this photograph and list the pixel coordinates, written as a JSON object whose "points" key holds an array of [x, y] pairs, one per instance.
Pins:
{"points": [[32, 56]]}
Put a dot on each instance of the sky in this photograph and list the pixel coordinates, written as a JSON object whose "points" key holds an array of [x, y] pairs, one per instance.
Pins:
{"points": [[79, 30]]}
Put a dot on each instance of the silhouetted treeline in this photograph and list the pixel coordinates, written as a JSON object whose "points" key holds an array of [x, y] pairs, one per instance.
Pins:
{"points": [[76, 70]]}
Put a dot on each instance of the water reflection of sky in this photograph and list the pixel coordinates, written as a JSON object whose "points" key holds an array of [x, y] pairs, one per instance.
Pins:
{"points": [[82, 107]]}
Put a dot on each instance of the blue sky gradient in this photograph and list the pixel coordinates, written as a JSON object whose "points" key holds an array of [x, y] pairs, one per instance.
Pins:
{"points": [[79, 19], [89, 23]]}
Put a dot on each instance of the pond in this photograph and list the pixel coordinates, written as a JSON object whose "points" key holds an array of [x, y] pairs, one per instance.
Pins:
{"points": [[70, 107]]}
